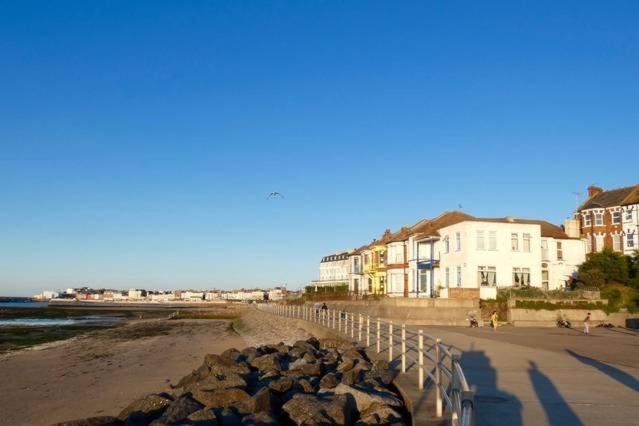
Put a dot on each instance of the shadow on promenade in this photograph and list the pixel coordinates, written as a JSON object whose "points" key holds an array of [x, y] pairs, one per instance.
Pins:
{"points": [[557, 409], [612, 372], [494, 406]]}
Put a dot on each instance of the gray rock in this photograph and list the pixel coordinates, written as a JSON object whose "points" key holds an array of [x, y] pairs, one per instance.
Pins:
{"points": [[213, 382], [179, 410], [268, 362], [305, 409], [220, 366], [220, 398], [250, 353], [305, 346], [261, 401], [233, 355], [380, 414], [282, 385], [351, 377], [204, 417], [329, 381], [346, 365], [297, 364], [312, 370], [364, 398], [306, 386], [145, 409]]}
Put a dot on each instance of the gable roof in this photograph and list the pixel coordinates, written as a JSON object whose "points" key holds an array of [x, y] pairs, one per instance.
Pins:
{"points": [[612, 198], [431, 227]]}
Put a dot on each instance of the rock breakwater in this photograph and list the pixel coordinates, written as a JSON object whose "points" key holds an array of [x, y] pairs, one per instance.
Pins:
{"points": [[312, 382]]}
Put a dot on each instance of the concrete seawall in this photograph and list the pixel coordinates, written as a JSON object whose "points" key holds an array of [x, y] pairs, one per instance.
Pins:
{"points": [[546, 318], [413, 311]]}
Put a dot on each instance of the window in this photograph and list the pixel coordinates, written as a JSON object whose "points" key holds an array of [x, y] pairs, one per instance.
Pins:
{"points": [[459, 276], [480, 240], [447, 277], [527, 239], [514, 241], [458, 241], [446, 244], [588, 244], [382, 257], [560, 251], [629, 215], [587, 220], [599, 242], [598, 219], [616, 217], [521, 277], [544, 279], [616, 242], [544, 249], [630, 240], [486, 276], [492, 240]]}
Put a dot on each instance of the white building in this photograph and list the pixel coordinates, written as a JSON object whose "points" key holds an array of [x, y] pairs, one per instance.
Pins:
{"points": [[630, 225], [356, 281], [135, 294], [334, 270]]}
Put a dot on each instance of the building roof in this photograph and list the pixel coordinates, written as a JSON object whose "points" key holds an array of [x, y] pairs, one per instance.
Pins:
{"points": [[426, 228], [335, 257], [547, 228], [612, 198]]}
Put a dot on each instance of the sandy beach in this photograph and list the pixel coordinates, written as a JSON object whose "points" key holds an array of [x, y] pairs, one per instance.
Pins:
{"points": [[102, 373]]}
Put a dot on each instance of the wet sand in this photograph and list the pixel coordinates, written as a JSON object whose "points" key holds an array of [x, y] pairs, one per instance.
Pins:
{"points": [[102, 373]]}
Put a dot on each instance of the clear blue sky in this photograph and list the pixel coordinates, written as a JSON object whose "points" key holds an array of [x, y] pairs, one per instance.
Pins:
{"points": [[139, 139]]}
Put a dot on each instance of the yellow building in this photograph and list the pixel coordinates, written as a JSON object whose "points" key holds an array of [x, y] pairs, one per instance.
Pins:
{"points": [[375, 264]]}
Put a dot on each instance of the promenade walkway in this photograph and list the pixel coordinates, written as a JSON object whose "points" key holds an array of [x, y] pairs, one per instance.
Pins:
{"points": [[525, 376]]}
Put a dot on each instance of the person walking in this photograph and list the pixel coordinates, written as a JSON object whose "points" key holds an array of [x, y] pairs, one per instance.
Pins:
{"points": [[493, 320], [587, 324]]}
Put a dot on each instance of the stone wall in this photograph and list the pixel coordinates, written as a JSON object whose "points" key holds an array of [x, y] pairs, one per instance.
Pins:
{"points": [[413, 311], [545, 318]]}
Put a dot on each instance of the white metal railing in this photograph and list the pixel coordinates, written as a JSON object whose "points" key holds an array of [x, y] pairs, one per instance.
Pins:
{"points": [[443, 369]]}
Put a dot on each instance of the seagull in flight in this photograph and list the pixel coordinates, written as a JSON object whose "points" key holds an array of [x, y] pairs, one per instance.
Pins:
{"points": [[274, 195]]}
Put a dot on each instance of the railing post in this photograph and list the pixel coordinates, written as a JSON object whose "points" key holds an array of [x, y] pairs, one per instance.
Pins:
{"points": [[368, 331], [339, 321], [420, 359], [390, 341], [333, 319], [359, 328], [438, 378], [352, 326], [403, 348], [378, 337]]}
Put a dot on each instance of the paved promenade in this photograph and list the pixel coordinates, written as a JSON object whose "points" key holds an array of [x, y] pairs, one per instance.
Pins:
{"points": [[533, 376]]}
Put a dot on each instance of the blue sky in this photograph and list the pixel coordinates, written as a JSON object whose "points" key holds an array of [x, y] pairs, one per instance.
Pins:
{"points": [[139, 139]]}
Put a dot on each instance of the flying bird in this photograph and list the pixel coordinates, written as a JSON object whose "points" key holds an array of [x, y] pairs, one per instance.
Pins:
{"points": [[274, 195]]}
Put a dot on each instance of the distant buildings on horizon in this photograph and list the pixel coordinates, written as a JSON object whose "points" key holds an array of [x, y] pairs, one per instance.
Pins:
{"points": [[141, 295]]}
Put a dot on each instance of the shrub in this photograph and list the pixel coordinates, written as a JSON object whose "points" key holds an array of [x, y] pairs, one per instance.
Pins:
{"points": [[612, 267]]}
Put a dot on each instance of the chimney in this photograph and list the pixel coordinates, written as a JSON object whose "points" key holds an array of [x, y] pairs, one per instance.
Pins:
{"points": [[571, 228], [594, 190]]}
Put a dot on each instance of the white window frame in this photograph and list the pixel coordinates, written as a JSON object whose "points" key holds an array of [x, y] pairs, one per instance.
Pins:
{"points": [[481, 240], [630, 241], [616, 242], [492, 240], [560, 251], [618, 215], [527, 245], [514, 241], [458, 241], [599, 219], [589, 244], [487, 270], [446, 244], [459, 278], [447, 281], [587, 219]]}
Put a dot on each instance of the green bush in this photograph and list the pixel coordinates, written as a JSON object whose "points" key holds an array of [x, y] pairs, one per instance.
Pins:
{"points": [[548, 306], [606, 267], [620, 296]]}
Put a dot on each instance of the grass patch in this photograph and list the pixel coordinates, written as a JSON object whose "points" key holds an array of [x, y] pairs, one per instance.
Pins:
{"points": [[14, 338], [548, 306]]}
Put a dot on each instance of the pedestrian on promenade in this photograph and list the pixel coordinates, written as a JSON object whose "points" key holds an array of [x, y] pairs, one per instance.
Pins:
{"points": [[317, 309], [493, 320], [587, 324], [324, 307]]}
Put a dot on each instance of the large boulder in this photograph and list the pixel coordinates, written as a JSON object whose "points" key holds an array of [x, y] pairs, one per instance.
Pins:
{"points": [[380, 414], [329, 381], [220, 398], [268, 362], [203, 417], [364, 398], [305, 409], [263, 400], [93, 421], [250, 353], [179, 410], [282, 385], [224, 366], [228, 417], [145, 409], [305, 346], [297, 364], [213, 382], [312, 370], [233, 355]]}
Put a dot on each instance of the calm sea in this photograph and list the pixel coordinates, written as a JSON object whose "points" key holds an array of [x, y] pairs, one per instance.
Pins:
{"points": [[49, 322], [24, 304]]}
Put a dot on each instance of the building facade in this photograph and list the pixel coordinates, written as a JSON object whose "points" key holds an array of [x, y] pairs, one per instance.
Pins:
{"points": [[610, 219]]}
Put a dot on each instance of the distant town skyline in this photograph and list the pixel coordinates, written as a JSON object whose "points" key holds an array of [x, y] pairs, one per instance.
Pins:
{"points": [[140, 141]]}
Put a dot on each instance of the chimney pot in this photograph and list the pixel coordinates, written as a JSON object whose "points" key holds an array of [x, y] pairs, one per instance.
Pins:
{"points": [[594, 190]]}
